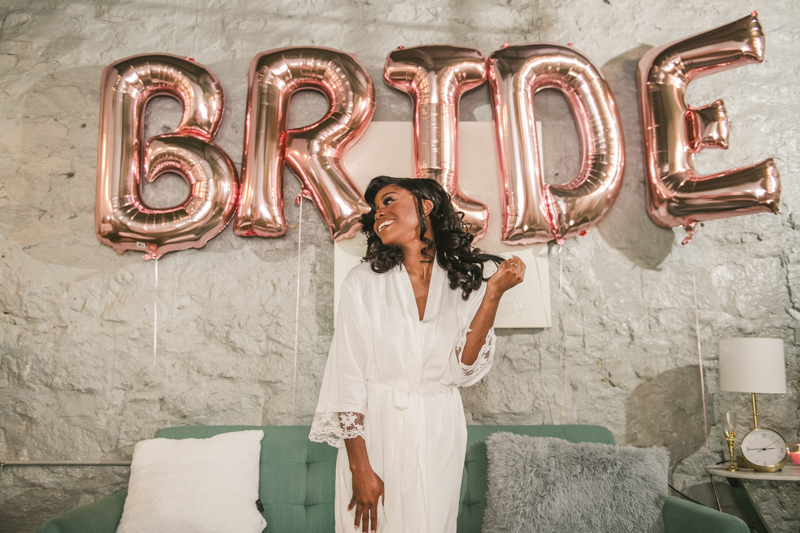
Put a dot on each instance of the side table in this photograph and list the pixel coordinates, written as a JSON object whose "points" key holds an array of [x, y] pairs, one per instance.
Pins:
{"points": [[790, 472]]}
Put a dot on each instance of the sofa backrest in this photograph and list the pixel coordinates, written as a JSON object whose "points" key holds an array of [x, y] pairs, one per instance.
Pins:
{"points": [[297, 475]]}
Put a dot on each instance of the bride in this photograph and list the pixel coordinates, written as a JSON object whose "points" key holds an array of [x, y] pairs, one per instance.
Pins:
{"points": [[415, 322]]}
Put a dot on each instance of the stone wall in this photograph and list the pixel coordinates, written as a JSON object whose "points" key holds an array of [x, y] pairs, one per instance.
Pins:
{"points": [[77, 379]]}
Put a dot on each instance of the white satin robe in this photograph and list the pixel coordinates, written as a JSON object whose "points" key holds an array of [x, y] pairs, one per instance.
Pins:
{"points": [[394, 379]]}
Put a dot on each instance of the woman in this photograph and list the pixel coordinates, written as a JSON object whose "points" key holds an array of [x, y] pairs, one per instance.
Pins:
{"points": [[414, 324]]}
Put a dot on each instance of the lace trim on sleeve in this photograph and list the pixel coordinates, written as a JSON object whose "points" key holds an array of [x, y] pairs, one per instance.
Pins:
{"points": [[485, 355], [331, 427]]}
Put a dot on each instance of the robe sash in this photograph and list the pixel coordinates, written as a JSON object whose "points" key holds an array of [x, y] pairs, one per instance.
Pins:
{"points": [[409, 403]]}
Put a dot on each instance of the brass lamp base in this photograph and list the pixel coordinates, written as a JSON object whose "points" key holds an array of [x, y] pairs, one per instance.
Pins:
{"points": [[755, 411]]}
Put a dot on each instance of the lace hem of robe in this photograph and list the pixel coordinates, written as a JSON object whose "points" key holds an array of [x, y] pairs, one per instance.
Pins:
{"points": [[484, 356], [332, 427]]}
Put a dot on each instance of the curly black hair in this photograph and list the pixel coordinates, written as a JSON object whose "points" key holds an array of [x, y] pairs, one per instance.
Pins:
{"points": [[453, 241]]}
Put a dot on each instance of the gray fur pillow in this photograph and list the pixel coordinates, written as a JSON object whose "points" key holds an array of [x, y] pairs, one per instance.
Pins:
{"points": [[544, 484]]}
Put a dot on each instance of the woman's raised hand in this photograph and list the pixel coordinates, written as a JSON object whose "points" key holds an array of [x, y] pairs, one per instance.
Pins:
{"points": [[510, 273], [367, 490]]}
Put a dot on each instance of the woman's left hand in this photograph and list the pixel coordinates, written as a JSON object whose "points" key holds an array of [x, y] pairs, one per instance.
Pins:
{"points": [[509, 274]]}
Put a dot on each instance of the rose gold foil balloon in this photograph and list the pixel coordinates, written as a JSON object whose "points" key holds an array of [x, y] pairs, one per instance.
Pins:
{"points": [[314, 153], [673, 132], [435, 77], [533, 211], [122, 220]]}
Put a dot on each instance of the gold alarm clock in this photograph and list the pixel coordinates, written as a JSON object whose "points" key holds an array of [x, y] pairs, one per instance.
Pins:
{"points": [[764, 450]]}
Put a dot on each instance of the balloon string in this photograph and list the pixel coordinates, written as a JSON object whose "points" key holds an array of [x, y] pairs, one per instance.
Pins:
{"points": [[298, 201], [155, 312], [700, 356], [562, 329]]}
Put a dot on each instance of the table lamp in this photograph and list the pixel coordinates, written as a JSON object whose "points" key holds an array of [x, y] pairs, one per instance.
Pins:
{"points": [[753, 365]]}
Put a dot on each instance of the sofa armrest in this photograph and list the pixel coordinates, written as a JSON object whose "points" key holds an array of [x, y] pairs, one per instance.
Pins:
{"points": [[101, 516], [683, 516]]}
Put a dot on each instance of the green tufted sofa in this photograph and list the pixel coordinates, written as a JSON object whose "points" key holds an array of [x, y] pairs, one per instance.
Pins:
{"points": [[297, 484]]}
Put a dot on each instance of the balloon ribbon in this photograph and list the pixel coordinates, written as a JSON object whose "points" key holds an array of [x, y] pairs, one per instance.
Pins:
{"points": [[700, 356], [562, 329], [299, 202], [155, 311]]}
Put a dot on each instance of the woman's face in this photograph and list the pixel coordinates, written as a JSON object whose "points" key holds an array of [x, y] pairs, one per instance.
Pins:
{"points": [[396, 216]]}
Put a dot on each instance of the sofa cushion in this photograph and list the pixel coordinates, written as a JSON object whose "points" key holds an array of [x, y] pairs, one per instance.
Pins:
{"points": [[551, 485], [297, 475], [474, 482], [199, 485]]}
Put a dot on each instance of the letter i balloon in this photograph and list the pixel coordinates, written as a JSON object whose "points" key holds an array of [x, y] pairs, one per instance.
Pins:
{"points": [[435, 77]]}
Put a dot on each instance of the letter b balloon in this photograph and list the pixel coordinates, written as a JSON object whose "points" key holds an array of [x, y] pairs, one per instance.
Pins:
{"points": [[122, 220]]}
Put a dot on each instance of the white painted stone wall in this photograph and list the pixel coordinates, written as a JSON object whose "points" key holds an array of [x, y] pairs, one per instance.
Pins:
{"points": [[77, 379]]}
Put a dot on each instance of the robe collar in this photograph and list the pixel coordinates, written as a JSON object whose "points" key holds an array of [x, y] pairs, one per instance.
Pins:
{"points": [[437, 285]]}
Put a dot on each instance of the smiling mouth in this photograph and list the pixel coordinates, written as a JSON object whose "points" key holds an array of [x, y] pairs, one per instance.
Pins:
{"points": [[385, 225]]}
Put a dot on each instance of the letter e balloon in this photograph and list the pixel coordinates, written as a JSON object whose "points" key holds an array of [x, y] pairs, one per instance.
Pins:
{"points": [[673, 132]]}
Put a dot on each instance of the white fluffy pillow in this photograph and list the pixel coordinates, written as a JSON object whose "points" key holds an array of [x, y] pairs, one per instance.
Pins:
{"points": [[195, 485]]}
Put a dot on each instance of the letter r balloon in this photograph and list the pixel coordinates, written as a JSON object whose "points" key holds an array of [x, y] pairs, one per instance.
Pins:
{"points": [[435, 77], [122, 220], [534, 211], [673, 132], [314, 153]]}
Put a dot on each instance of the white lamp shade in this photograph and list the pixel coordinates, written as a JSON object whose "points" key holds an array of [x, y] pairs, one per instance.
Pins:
{"points": [[752, 365]]}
